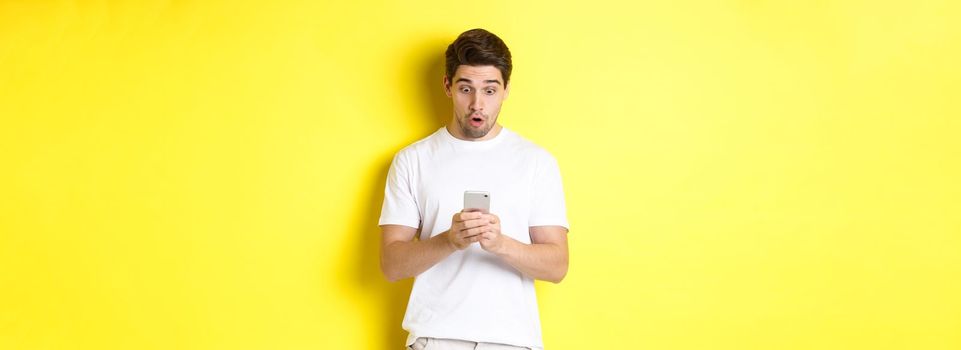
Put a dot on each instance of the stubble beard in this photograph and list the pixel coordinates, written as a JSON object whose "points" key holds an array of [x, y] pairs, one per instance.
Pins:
{"points": [[473, 133]]}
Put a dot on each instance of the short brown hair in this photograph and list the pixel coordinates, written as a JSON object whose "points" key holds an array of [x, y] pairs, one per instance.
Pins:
{"points": [[478, 47]]}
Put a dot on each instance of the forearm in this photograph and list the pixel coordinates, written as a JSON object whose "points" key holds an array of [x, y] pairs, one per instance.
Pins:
{"points": [[543, 261], [405, 259]]}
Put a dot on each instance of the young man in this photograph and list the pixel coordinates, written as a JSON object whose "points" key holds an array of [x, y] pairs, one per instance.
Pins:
{"points": [[475, 271]]}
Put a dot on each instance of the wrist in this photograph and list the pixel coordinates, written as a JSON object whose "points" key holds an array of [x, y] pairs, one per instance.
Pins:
{"points": [[448, 243], [508, 247]]}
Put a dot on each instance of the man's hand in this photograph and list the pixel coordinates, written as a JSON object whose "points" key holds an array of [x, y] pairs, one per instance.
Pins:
{"points": [[545, 258], [466, 227], [491, 238]]}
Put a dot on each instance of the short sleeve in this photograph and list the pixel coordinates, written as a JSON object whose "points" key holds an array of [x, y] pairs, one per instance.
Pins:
{"points": [[548, 207], [400, 205]]}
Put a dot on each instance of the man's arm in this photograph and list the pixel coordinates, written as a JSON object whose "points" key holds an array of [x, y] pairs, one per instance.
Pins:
{"points": [[401, 256], [546, 258]]}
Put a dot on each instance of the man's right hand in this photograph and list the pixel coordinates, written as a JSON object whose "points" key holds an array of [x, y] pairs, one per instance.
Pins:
{"points": [[465, 228]]}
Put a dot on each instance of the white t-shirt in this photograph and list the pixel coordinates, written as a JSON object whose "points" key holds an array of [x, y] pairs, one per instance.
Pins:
{"points": [[472, 294]]}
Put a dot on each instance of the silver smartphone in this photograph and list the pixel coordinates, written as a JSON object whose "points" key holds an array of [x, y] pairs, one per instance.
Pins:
{"points": [[477, 201]]}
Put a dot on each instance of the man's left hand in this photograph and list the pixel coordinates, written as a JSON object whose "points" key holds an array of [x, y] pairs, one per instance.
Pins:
{"points": [[492, 240]]}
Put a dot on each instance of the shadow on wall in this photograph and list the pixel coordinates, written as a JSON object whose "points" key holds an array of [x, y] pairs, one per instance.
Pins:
{"points": [[392, 297]]}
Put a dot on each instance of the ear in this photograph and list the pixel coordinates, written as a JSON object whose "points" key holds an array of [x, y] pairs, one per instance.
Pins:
{"points": [[447, 85]]}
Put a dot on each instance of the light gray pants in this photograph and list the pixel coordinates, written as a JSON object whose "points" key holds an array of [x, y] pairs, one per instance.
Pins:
{"points": [[454, 344]]}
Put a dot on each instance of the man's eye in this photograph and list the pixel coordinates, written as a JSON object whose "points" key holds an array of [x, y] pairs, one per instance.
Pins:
{"points": [[465, 89], [491, 92]]}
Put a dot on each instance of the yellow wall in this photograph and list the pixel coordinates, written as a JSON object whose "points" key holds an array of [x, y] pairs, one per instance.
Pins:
{"points": [[739, 174]]}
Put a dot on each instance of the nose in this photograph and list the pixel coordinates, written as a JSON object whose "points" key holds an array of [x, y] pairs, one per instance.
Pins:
{"points": [[477, 103]]}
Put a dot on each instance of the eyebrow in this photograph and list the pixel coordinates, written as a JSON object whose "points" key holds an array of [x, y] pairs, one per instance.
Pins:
{"points": [[485, 81]]}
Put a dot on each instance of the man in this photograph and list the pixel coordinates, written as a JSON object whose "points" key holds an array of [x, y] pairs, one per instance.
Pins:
{"points": [[475, 271]]}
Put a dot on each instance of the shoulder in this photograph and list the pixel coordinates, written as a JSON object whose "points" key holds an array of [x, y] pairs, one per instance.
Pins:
{"points": [[414, 151], [528, 148]]}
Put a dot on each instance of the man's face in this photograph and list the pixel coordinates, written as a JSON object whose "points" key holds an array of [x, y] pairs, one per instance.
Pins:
{"points": [[477, 93]]}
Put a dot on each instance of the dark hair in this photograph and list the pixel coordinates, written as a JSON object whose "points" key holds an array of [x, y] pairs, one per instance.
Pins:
{"points": [[478, 47]]}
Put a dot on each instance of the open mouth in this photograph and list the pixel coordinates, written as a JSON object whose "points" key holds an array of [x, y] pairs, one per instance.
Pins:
{"points": [[476, 121]]}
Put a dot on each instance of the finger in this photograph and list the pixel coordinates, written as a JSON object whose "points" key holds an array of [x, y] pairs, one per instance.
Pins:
{"points": [[467, 216], [477, 230], [467, 233], [471, 232], [471, 224], [475, 223], [489, 218]]}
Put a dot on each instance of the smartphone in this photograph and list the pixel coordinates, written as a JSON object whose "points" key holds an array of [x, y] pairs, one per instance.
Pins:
{"points": [[477, 201]]}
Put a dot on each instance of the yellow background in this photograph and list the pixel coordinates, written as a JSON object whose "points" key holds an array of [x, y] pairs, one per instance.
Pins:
{"points": [[739, 174]]}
